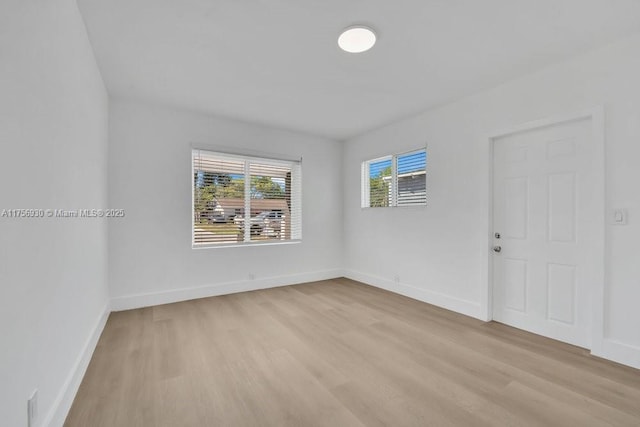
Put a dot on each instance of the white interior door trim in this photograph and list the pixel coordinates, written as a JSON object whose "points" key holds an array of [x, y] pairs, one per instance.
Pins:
{"points": [[597, 294]]}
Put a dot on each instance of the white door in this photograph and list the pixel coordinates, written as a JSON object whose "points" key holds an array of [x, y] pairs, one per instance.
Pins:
{"points": [[543, 210]]}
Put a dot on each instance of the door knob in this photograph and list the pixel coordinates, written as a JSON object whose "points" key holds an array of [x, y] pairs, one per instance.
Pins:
{"points": [[497, 249]]}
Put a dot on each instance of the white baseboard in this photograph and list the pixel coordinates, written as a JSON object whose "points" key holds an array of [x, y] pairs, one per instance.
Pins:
{"points": [[619, 352], [61, 406], [176, 295], [458, 305]]}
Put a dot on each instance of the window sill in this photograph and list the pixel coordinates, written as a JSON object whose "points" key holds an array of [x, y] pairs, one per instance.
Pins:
{"points": [[245, 244], [364, 208]]}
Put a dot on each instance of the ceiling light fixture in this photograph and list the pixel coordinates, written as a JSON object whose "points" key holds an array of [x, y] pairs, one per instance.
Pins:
{"points": [[357, 39]]}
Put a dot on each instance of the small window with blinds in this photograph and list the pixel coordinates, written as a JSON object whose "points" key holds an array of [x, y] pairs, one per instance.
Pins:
{"points": [[395, 180], [245, 200]]}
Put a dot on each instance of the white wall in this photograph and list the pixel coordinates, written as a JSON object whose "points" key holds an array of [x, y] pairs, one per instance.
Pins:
{"points": [[440, 252], [150, 256], [53, 153]]}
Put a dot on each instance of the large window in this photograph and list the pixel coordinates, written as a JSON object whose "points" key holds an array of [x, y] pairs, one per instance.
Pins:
{"points": [[395, 180], [241, 199]]}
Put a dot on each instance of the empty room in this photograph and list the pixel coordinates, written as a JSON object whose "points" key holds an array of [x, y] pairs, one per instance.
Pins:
{"points": [[319, 213]]}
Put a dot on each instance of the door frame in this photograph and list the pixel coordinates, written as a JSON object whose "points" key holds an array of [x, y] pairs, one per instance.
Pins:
{"points": [[597, 292]]}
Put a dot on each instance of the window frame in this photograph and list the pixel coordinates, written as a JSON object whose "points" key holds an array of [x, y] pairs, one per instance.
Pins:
{"points": [[365, 186], [260, 158]]}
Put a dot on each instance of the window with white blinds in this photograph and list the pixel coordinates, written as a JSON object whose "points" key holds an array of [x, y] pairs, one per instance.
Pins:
{"points": [[241, 199], [395, 180]]}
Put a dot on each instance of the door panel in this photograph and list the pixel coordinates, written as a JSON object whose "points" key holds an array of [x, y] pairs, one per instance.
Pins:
{"points": [[515, 284], [542, 211], [561, 284], [562, 207], [516, 195]]}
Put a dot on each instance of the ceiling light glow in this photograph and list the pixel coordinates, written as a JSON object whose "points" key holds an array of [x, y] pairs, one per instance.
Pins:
{"points": [[357, 39]]}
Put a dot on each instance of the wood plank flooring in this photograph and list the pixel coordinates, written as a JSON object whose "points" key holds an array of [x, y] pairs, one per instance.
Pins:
{"points": [[340, 353]]}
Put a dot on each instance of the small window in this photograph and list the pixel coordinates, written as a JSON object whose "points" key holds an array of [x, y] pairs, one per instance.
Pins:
{"points": [[395, 180], [241, 199]]}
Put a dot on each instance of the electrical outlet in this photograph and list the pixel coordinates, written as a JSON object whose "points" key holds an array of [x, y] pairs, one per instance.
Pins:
{"points": [[32, 409], [396, 278], [619, 217], [252, 276]]}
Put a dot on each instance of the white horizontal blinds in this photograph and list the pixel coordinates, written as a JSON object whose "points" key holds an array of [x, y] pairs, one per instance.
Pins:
{"points": [[364, 179], [218, 197], [295, 190], [411, 181], [396, 180], [380, 182], [270, 195]]}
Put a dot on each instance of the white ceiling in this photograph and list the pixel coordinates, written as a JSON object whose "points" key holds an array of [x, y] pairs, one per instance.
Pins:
{"points": [[277, 62]]}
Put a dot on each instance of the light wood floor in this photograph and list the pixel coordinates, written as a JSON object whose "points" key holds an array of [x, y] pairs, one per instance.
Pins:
{"points": [[340, 353]]}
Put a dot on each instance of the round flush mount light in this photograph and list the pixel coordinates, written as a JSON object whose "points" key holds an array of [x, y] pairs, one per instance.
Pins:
{"points": [[357, 39]]}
